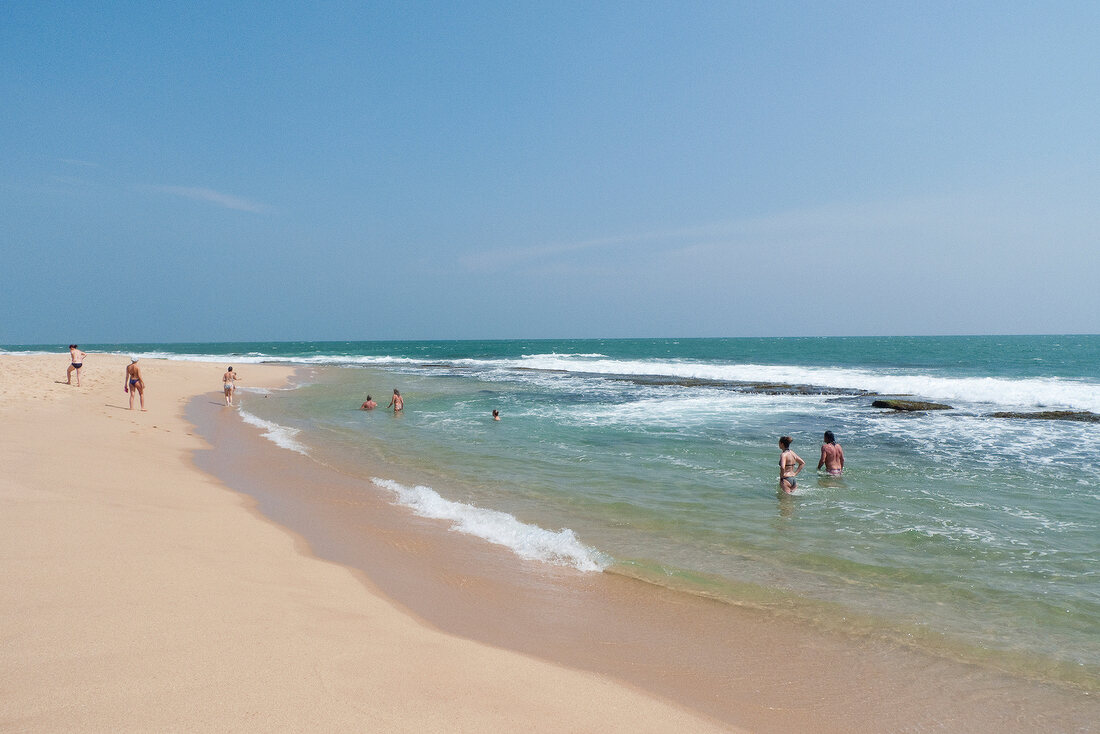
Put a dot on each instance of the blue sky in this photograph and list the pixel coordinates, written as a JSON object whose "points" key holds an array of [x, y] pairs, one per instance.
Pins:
{"points": [[256, 171]]}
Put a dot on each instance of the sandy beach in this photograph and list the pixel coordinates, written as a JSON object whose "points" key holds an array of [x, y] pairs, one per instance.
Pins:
{"points": [[141, 594]]}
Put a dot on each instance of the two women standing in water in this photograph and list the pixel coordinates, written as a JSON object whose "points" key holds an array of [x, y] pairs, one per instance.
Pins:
{"points": [[790, 463]]}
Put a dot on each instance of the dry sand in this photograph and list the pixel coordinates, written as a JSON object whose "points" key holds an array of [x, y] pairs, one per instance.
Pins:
{"points": [[140, 594]]}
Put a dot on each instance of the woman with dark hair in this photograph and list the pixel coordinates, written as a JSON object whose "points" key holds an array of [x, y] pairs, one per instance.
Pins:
{"points": [[832, 456], [790, 464], [397, 401]]}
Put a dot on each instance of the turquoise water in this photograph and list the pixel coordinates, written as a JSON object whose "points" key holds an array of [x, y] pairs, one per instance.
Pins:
{"points": [[957, 531]]}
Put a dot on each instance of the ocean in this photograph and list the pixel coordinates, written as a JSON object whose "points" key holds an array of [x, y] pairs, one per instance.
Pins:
{"points": [[955, 531]]}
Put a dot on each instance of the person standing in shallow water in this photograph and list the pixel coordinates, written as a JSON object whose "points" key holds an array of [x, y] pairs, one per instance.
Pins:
{"points": [[790, 464], [76, 361], [832, 456], [396, 401], [369, 404]]}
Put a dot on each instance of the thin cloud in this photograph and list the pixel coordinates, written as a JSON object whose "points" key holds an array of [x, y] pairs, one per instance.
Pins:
{"points": [[503, 258], [937, 222], [227, 201], [78, 162]]}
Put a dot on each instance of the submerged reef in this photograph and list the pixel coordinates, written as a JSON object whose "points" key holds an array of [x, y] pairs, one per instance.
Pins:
{"points": [[1082, 416], [909, 406]]}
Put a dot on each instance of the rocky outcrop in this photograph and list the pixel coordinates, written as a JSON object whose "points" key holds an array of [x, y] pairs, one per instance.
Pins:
{"points": [[909, 406], [760, 388], [1082, 416]]}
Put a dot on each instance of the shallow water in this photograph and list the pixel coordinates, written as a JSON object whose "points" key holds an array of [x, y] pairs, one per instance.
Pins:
{"points": [[954, 531]]}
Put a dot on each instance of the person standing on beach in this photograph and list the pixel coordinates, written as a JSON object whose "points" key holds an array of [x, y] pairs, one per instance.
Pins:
{"points": [[832, 456], [132, 382], [76, 361], [369, 404], [790, 464], [229, 380], [396, 401]]}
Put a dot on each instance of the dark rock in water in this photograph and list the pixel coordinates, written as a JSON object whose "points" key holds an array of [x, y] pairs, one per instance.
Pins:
{"points": [[1082, 416], [909, 405], [760, 388], [849, 398], [540, 369]]}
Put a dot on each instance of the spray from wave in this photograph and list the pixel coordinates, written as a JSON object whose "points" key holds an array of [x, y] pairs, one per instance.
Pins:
{"points": [[530, 542], [282, 436]]}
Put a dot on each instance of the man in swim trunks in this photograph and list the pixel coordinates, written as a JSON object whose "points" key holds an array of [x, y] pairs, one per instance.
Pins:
{"points": [[132, 382], [229, 380], [790, 464], [832, 456], [368, 404], [76, 361]]}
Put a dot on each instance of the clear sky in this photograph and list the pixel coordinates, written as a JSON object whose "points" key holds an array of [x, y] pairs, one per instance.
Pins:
{"points": [[221, 171]]}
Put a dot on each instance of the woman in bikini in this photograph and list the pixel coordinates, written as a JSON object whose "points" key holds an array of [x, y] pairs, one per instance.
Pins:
{"points": [[832, 456], [229, 380], [396, 401], [790, 464], [132, 382]]}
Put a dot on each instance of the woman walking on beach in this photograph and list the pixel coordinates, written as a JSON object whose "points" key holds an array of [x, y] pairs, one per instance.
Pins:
{"points": [[790, 464], [396, 401], [132, 382], [76, 361], [229, 380]]}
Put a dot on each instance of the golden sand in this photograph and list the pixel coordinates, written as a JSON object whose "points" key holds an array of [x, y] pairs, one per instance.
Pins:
{"points": [[140, 594]]}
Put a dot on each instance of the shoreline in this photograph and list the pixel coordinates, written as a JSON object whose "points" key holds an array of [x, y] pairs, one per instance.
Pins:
{"points": [[745, 667], [144, 595]]}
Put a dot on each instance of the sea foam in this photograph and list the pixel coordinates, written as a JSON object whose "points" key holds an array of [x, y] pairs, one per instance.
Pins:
{"points": [[531, 542], [279, 435], [1000, 391]]}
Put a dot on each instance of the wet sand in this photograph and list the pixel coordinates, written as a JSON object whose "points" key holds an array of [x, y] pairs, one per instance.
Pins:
{"points": [[745, 667]]}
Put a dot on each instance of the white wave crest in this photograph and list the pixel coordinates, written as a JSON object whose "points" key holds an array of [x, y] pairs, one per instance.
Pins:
{"points": [[555, 355], [561, 548], [1013, 392], [282, 436]]}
